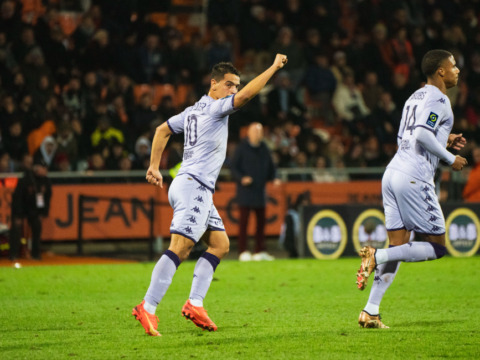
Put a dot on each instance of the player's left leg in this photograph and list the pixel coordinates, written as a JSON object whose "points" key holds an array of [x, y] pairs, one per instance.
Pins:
{"points": [[218, 246], [384, 276]]}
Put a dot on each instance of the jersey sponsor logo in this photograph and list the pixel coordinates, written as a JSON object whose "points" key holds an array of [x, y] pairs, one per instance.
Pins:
{"points": [[432, 119], [188, 154]]}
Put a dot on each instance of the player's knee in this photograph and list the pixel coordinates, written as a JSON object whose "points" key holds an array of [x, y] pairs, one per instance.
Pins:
{"points": [[440, 250]]}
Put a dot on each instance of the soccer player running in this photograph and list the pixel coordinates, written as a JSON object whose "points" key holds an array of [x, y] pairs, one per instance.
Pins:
{"points": [[205, 128], [408, 188]]}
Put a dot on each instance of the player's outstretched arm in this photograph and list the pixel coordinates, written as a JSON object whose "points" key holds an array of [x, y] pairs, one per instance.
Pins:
{"points": [[160, 139], [257, 84]]}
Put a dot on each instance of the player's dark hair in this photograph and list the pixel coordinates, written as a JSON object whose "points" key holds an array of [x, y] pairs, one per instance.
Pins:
{"points": [[219, 70], [432, 60]]}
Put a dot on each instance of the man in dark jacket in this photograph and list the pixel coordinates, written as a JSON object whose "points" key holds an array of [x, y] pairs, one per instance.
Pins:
{"points": [[252, 167], [31, 201]]}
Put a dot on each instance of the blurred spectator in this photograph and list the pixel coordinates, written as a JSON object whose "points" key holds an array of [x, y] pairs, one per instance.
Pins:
{"points": [[252, 167], [117, 153], [349, 105], [143, 146], [220, 49], [471, 191], [300, 162], [15, 143], [31, 202], [67, 145], [286, 44], [96, 162], [143, 115], [105, 133], [6, 164], [283, 103], [321, 173], [151, 58], [371, 90], [46, 153]]}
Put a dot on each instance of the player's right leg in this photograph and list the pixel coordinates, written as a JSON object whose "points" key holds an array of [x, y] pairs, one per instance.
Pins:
{"points": [[162, 276]]}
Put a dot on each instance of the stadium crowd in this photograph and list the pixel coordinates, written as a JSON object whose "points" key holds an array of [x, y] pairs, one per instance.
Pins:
{"points": [[90, 95]]}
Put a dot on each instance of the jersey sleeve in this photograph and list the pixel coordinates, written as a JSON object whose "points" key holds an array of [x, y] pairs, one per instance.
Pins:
{"points": [[222, 107], [176, 123]]}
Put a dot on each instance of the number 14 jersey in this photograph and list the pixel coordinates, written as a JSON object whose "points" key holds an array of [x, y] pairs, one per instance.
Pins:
{"points": [[205, 128], [430, 109]]}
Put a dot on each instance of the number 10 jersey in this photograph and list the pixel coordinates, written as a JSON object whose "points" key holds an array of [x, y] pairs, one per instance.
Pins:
{"points": [[205, 128]]}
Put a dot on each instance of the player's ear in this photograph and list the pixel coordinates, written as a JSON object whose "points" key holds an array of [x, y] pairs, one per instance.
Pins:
{"points": [[441, 71], [213, 84]]}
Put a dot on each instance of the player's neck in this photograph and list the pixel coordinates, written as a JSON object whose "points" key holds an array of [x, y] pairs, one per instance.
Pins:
{"points": [[212, 95], [438, 83]]}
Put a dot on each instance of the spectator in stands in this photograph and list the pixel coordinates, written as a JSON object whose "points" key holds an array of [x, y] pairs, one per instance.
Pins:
{"points": [[96, 162], [27, 115], [321, 173], [371, 90], [6, 164], [143, 146], [143, 115], [349, 105], [105, 133], [117, 153], [151, 57], [471, 191], [321, 84], [67, 144], [15, 141], [220, 49], [300, 162], [283, 103], [285, 43], [252, 167], [46, 153], [8, 113], [31, 202]]}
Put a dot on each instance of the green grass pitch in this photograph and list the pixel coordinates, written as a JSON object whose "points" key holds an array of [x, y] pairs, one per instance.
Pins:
{"points": [[286, 309]]}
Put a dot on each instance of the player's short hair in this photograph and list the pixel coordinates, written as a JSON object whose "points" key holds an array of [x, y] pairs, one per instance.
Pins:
{"points": [[432, 60], [219, 70]]}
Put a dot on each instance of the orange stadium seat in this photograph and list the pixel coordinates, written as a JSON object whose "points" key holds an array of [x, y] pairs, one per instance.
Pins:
{"points": [[181, 94], [159, 91], [139, 90], [159, 18]]}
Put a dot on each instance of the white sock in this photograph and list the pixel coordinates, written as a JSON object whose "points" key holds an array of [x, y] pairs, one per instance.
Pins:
{"points": [[149, 308], [196, 302]]}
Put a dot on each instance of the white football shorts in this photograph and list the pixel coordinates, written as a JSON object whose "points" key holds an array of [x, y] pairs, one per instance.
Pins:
{"points": [[193, 209], [411, 204]]}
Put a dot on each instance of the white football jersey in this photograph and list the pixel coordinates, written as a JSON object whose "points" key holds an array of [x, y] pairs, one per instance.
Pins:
{"points": [[205, 128], [430, 109]]}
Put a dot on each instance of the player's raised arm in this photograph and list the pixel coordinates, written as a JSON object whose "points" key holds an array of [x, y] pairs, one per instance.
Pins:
{"points": [[257, 84], [160, 139]]}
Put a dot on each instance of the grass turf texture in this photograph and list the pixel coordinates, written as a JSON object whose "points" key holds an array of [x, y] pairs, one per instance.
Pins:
{"points": [[286, 309]]}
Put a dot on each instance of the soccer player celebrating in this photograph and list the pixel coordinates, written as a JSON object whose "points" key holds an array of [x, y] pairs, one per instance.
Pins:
{"points": [[408, 189], [205, 128]]}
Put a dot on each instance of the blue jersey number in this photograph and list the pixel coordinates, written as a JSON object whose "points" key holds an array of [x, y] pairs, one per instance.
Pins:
{"points": [[191, 133]]}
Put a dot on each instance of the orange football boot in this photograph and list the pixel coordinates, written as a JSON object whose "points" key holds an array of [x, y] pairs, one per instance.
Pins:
{"points": [[199, 316], [148, 321]]}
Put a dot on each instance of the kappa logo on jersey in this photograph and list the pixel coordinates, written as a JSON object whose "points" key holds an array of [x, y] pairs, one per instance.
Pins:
{"points": [[442, 100], [432, 119]]}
